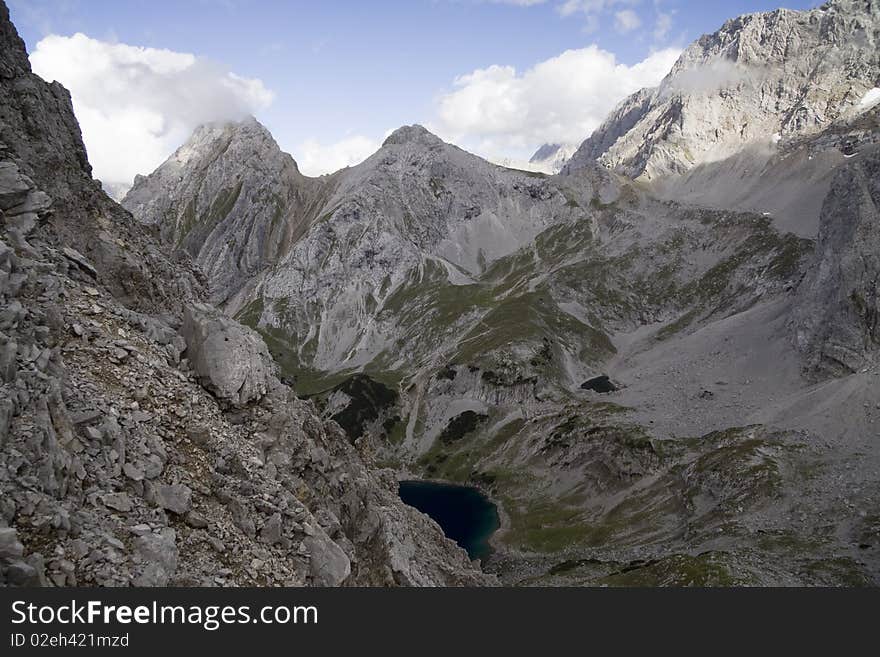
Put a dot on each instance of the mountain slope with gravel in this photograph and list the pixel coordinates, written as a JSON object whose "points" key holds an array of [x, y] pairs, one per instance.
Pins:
{"points": [[144, 436]]}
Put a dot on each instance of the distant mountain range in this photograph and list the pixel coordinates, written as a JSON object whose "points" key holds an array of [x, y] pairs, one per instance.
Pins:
{"points": [[549, 159]]}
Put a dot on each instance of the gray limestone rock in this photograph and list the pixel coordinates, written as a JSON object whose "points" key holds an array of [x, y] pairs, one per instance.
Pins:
{"points": [[780, 73], [270, 532], [232, 361], [118, 502], [10, 547], [159, 555], [176, 498], [837, 317], [7, 407], [329, 565]]}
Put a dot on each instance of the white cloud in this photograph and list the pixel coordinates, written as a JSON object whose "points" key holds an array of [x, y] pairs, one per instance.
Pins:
{"points": [[712, 76], [136, 105], [592, 11], [560, 100], [662, 26], [871, 98], [518, 3], [571, 7], [315, 158], [626, 20]]}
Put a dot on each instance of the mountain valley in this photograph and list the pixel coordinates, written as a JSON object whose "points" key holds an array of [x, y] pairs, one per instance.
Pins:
{"points": [[661, 364]]}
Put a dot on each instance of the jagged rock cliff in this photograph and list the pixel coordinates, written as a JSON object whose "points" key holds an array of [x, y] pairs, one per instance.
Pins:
{"points": [[838, 312], [761, 77], [231, 199], [117, 467], [40, 136]]}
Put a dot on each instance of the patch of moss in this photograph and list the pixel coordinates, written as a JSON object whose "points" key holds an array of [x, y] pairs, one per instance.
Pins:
{"points": [[837, 571], [250, 315], [531, 317], [707, 569]]}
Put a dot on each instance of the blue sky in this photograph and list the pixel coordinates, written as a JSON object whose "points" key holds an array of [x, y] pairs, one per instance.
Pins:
{"points": [[347, 70]]}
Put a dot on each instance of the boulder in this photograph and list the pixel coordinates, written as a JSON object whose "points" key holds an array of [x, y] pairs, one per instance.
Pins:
{"points": [[176, 498], [10, 547], [14, 187], [118, 502], [271, 531], [158, 553], [231, 360], [329, 565]]}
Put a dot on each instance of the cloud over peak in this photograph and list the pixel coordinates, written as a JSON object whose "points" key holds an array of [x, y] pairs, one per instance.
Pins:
{"points": [[315, 158], [136, 105], [560, 100]]}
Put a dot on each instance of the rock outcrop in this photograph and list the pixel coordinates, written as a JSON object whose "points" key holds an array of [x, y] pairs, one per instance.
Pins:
{"points": [[39, 135], [838, 311]]}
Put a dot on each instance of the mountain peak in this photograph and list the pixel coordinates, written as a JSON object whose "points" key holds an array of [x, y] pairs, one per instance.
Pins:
{"points": [[545, 152], [760, 75], [411, 134], [248, 134]]}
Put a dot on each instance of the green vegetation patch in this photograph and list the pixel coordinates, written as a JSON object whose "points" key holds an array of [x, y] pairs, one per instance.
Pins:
{"points": [[707, 569], [461, 425]]}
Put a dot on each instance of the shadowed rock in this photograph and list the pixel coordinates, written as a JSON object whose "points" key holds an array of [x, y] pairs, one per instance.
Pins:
{"points": [[600, 384], [837, 315]]}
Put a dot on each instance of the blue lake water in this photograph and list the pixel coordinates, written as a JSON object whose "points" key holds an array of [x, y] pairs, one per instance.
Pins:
{"points": [[466, 515]]}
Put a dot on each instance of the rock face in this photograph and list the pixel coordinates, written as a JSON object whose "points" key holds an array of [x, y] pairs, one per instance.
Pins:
{"points": [[40, 136], [230, 359], [838, 314], [230, 198], [759, 78], [118, 465]]}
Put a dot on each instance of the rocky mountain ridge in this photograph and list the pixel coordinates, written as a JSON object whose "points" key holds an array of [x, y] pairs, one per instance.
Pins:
{"points": [[227, 179], [760, 78], [144, 437]]}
